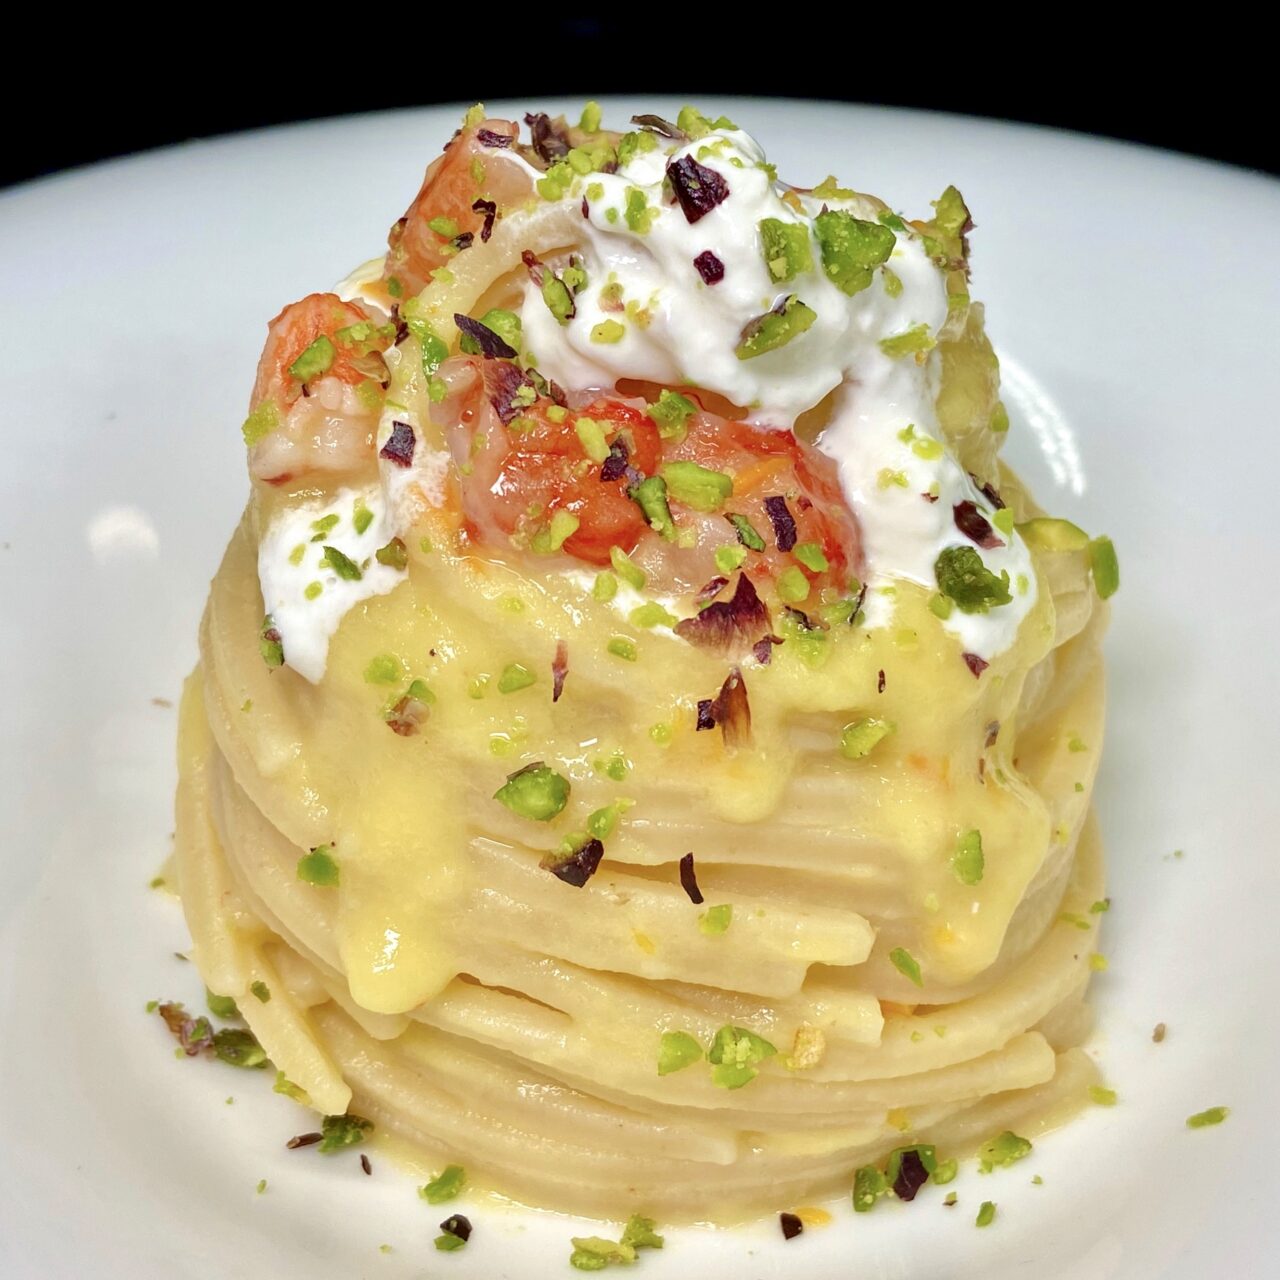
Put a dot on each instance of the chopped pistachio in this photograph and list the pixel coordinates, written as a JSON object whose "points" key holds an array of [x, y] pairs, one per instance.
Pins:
{"points": [[716, 920], [622, 648], [290, 1090], [859, 738], [445, 1186], [746, 532], [651, 614], [1204, 1119], [650, 495], [341, 564], [811, 555], [386, 668], [792, 585], [906, 964], [626, 568], [444, 227], [672, 411], [318, 867], [515, 676], [946, 1171], [775, 328], [605, 586], [677, 1050], [1097, 962], [892, 282], [891, 219], [734, 1054], [221, 1006], [395, 555], [887, 477], [967, 862], [1106, 567], [851, 248], [696, 486], [1102, 1096], [1103, 904], [262, 1185], [786, 248], [830, 189], [324, 526], [914, 341], [1003, 1150], [602, 822], [1003, 520], [447, 1242], [637, 212], [591, 116], [315, 360], [608, 332], [1052, 534], [964, 578], [260, 423], [594, 1253], [260, 990], [238, 1048], [986, 1214], [869, 1184], [559, 300], [591, 435], [535, 792], [641, 1233]]}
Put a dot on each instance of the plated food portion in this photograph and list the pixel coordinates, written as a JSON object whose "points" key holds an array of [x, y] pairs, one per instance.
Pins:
{"points": [[643, 741]]}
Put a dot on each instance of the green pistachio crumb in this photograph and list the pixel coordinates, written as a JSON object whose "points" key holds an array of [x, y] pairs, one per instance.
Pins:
{"points": [[626, 568], [1003, 1150], [851, 248], [221, 1006], [650, 495], [916, 341], [1106, 567], [1049, 533], [869, 1184], [341, 564], [734, 1055], [591, 435], [447, 1242], [515, 676], [946, 1171], [651, 614], [260, 990], [395, 554], [775, 328], [677, 1050], [792, 585], [239, 1048], [260, 423], [1204, 1119], [672, 411], [1102, 1096], [535, 792], [343, 1131], [386, 668], [746, 532], [860, 738], [786, 248], [892, 282], [319, 868], [262, 1185], [730, 557], [986, 1214], [696, 486], [591, 117], [811, 555], [967, 861], [608, 332], [965, 579], [270, 646], [716, 920], [622, 648], [907, 965], [315, 360], [445, 1186], [605, 586]]}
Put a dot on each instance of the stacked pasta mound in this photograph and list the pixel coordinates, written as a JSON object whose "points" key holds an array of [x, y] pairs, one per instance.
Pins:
{"points": [[683, 861]]}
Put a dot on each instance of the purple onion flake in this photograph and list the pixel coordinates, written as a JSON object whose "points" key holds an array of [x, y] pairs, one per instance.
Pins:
{"points": [[710, 268], [792, 1225], [492, 347], [549, 139], [912, 1175], [490, 211], [975, 526], [689, 880], [975, 664], [697, 188], [784, 525], [400, 445], [487, 138], [579, 866], [706, 715], [989, 491], [614, 467]]}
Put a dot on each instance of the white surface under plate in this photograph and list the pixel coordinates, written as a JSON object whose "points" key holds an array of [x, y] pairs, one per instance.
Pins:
{"points": [[1135, 303]]}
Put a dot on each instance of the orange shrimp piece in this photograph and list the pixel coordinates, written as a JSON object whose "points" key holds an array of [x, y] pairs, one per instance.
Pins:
{"points": [[293, 331], [473, 168]]}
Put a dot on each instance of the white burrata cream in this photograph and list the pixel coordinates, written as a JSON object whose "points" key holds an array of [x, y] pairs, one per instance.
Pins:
{"points": [[304, 595], [677, 330]]}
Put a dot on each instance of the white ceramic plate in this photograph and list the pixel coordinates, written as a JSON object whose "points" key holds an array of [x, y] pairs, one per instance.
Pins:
{"points": [[1135, 304]]}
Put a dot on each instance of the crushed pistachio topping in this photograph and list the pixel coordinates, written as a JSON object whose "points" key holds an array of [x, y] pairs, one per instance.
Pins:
{"points": [[590, 434], [591, 116], [787, 321], [626, 568], [1003, 1150], [239, 1048], [811, 555], [1101, 1096], [445, 1185], [861, 737], [786, 248], [221, 1006], [608, 332], [316, 359], [535, 792], [851, 249], [746, 532], [270, 646], [967, 862], [341, 564], [1204, 1119], [290, 1090], [319, 868], [792, 585], [986, 1214], [672, 411], [677, 1050], [651, 614], [515, 676], [260, 990], [696, 486], [716, 920], [906, 964], [917, 341], [946, 1171], [260, 423], [963, 578], [869, 1184], [386, 668], [1050, 533], [1105, 566], [735, 1054], [650, 495], [621, 647]]}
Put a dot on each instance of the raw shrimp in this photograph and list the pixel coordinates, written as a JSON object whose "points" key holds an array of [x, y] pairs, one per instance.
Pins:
{"points": [[318, 391], [480, 168]]}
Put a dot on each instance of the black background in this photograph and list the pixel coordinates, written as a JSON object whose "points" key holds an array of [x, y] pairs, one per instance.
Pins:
{"points": [[1066, 69]]}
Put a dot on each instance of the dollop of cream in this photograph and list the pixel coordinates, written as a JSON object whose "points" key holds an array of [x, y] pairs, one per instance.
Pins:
{"points": [[638, 250], [305, 597]]}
